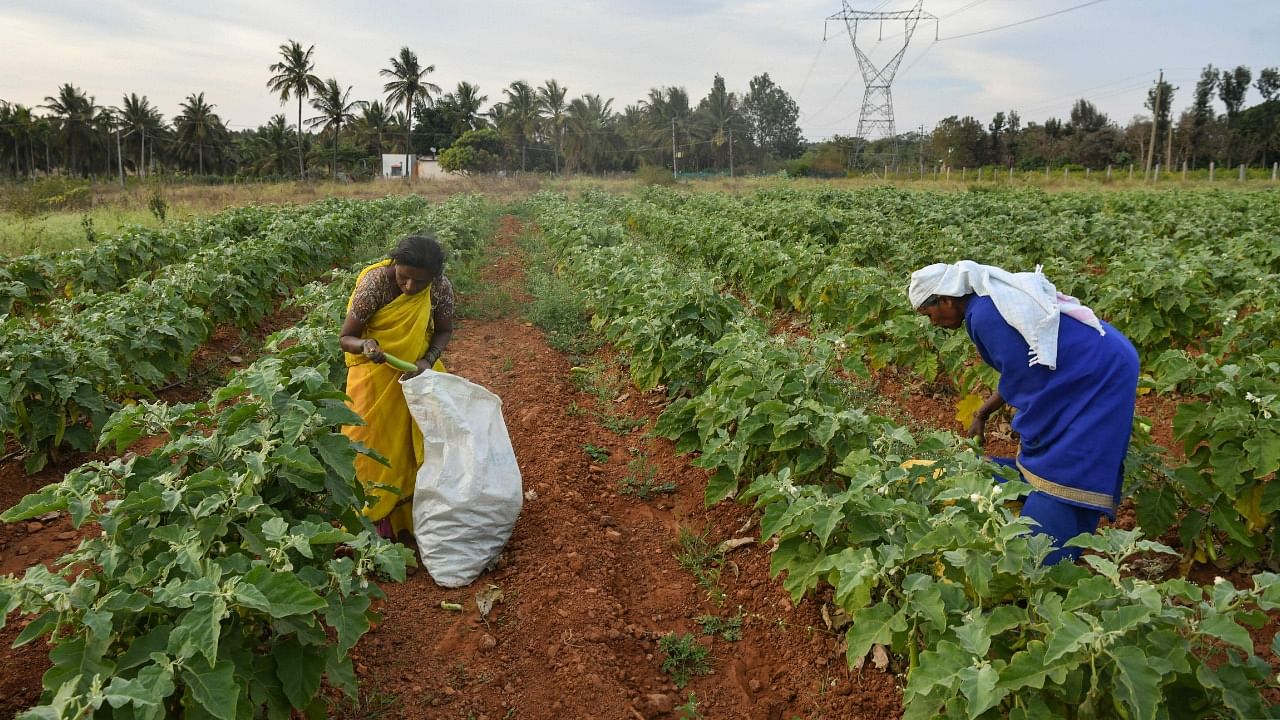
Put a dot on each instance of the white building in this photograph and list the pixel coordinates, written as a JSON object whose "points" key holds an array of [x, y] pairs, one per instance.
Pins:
{"points": [[422, 166]]}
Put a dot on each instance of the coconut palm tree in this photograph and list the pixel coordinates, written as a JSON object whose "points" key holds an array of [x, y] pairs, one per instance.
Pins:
{"points": [[293, 78], [589, 129], [552, 106], [467, 100], [336, 111], [719, 115], [670, 117], [74, 116], [24, 130], [408, 84], [9, 137], [138, 119], [520, 115], [197, 126], [371, 125], [269, 147]]}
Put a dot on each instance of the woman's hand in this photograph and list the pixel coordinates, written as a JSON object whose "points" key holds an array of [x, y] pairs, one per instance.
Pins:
{"points": [[978, 428], [422, 365], [370, 349]]}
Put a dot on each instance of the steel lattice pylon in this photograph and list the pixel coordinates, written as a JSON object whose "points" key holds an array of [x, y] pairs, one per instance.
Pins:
{"points": [[876, 118]]}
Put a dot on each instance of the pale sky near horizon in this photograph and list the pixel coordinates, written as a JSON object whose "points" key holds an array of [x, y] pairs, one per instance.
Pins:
{"points": [[1108, 52]]}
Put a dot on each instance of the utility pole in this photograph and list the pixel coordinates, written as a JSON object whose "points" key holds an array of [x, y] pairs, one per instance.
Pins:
{"points": [[730, 152], [142, 159], [1155, 122], [875, 120], [119, 158], [675, 174]]}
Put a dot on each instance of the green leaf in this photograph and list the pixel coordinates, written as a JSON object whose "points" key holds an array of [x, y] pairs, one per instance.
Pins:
{"points": [[871, 626], [978, 684], [1137, 683], [213, 687], [299, 669], [720, 485], [199, 629], [1070, 634], [139, 652], [348, 616], [284, 593], [939, 667], [339, 672], [1221, 626], [43, 624], [124, 691], [46, 499], [1028, 668]]}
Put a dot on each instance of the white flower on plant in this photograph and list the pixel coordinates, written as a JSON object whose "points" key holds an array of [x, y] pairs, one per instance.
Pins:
{"points": [[1252, 398], [1218, 580], [975, 497]]}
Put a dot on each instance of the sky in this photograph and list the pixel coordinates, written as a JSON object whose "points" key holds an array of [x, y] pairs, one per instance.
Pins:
{"points": [[1109, 51]]}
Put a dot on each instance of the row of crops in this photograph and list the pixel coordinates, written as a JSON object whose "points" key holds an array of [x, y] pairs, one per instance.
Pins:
{"points": [[1193, 280], [220, 585], [73, 359], [930, 560]]}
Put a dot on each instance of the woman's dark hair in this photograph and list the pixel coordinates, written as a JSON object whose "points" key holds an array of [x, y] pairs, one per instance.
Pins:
{"points": [[420, 251]]}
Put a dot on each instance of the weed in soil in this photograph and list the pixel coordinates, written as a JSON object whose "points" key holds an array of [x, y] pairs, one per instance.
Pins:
{"points": [[619, 424], [685, 658], [598, 455], [689, 709], [702, 559], [370, 705], [642, 480], [728, 628]]}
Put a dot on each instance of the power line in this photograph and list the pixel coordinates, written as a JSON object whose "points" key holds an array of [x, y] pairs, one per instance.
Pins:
{"points": [[1022, 22]]}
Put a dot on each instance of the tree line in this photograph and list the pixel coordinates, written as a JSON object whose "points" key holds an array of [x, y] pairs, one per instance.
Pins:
{"points": [[327, 132], [1216, 126], [542, 128]]}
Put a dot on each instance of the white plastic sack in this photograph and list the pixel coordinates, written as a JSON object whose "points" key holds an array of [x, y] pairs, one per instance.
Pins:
{"points": [[468, 491]]}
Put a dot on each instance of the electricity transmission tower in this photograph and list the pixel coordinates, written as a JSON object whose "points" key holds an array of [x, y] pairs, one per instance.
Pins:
{"points": [[876, 118]]}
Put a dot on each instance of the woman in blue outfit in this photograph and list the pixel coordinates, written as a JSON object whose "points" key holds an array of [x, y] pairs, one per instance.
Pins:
{"points": [[1071, 377]]}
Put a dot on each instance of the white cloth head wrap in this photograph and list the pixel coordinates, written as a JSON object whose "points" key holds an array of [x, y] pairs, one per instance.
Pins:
{"points": [[1026, 300]]}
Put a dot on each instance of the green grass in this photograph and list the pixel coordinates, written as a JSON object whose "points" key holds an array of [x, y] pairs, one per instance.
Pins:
{"points": [[700, 556], [685, 657], [57, 231], [728, 628], [642, 480]]}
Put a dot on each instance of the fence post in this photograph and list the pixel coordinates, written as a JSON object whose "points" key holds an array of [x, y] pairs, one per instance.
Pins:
{"points": [[1184, 171], [1212, 165], [1108, 171], [1046, 172], [1130, 171], [1010, 173], [1274, 167], [1156, 178], [979, 174], [1241, 173]]}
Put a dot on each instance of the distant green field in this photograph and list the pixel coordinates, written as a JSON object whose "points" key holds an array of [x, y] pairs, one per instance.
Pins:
{"points": [[64, 230]]}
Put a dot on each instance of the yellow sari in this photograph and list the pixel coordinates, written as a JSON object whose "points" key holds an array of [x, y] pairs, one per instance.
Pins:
{"points": [[402, 328]]}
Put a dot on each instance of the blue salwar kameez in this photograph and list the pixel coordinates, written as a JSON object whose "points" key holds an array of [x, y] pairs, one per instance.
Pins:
{"points": [[1074, 420]]}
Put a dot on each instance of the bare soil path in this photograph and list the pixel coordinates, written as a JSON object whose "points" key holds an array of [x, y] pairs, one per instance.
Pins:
{"points": [[590, 578]]}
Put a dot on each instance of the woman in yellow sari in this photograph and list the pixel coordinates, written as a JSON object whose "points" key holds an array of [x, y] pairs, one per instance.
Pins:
{"points": [[403, 306]]}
